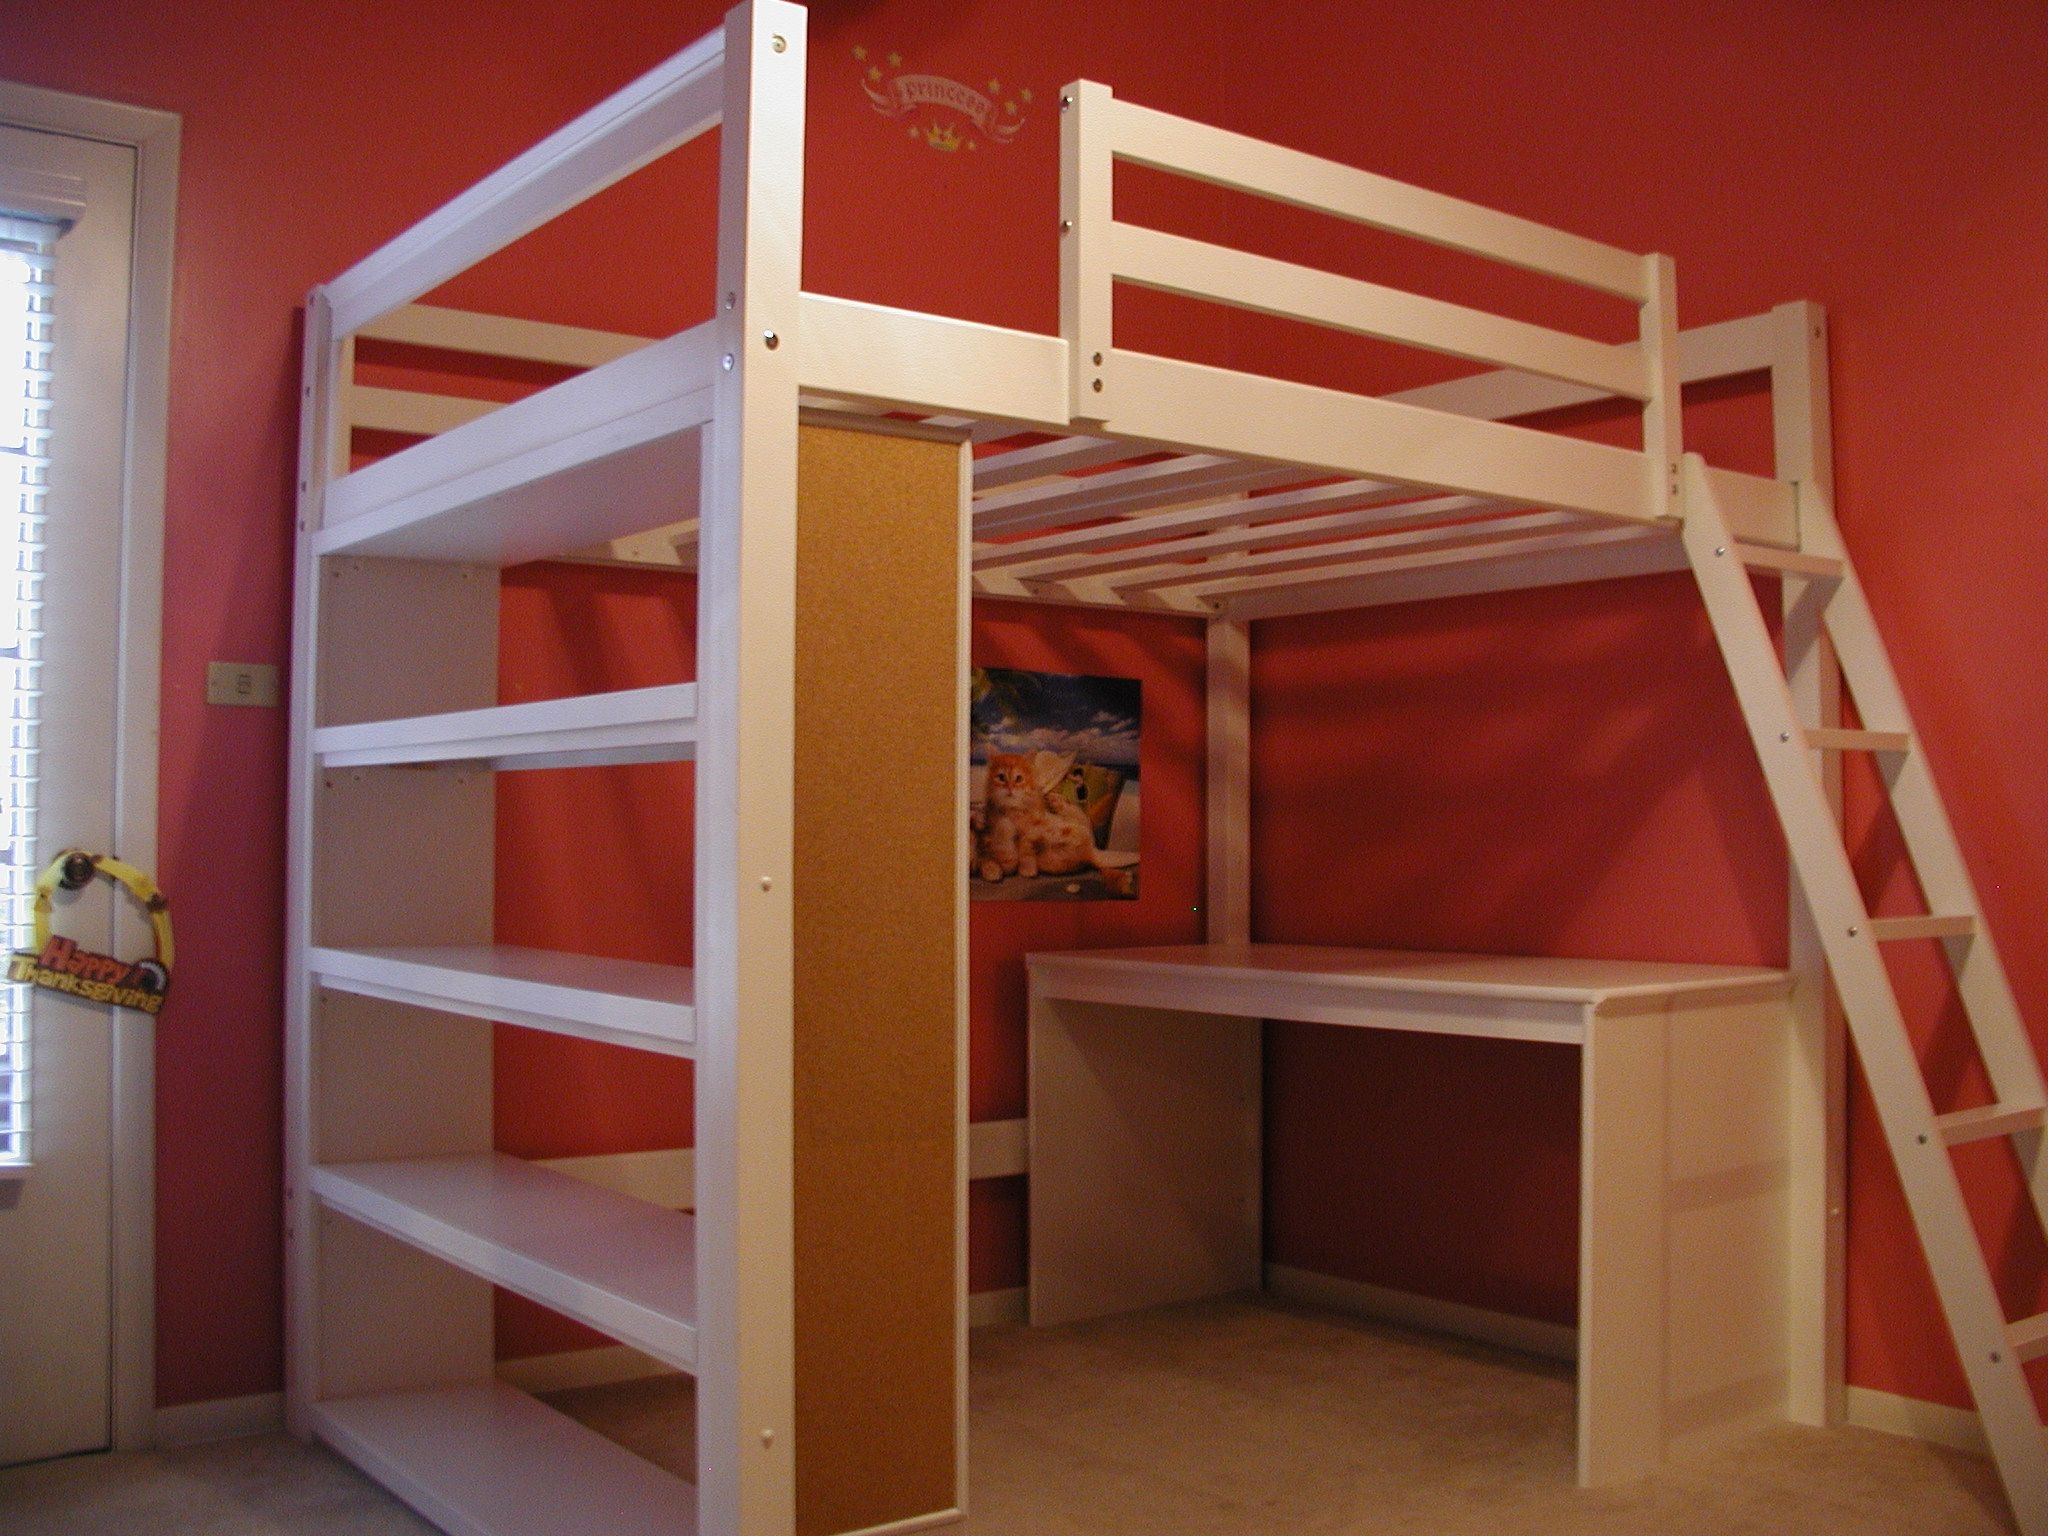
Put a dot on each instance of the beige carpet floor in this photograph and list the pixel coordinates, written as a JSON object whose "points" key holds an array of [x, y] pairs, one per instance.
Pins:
{"points": [[1235, 1418]]}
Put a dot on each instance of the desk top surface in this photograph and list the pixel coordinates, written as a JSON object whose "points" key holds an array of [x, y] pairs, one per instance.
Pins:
{"points": [[1591, 983]]}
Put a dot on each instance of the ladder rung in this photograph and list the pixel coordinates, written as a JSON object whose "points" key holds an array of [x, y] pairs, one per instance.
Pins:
{"points": [[2029, 1336], [1967, 1125], [1886, 929], [1789, 562], [1830, 739]]}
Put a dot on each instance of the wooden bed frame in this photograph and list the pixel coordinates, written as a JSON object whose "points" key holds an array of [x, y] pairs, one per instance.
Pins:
{"points": [[1106, 477]]}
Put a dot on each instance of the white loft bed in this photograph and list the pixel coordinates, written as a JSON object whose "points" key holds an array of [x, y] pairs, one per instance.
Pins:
{"points": [[1255, 498]]}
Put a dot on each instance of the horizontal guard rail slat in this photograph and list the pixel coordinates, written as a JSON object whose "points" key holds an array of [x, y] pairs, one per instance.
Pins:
{"points": [[662, 110], [590, 403], [1223, 411], [481, 335], [1142, 136], [1152, 258]]}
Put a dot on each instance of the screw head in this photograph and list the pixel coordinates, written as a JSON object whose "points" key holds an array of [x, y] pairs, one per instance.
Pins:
{"points": [[1097, 386], [1854, 931], [1066, 226], [1784, 735], [1098, 359], [1066, 103], [725, 362], [767, 884], [770, 340], [779, 43], [1720, 549], [731, 299]]}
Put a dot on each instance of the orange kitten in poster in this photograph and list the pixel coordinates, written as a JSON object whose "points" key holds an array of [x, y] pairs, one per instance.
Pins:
{"points": [[1024, 830]]}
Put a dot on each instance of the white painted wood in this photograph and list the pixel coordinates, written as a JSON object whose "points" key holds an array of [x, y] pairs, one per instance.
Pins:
{"points": [[604, 1366], [1296, 591], [997, 1149], [623, 1266], [634, 725], [665, 108], [1120, 493], [746, 1444], [1705, 352], [665, 1176], [1294, 566], [1817, 1111], [1936, 1423], [1392, 989], [1947, 1237], [396, 1318], [1663, 414], [1243, 536], [1087, 181], [1228, 784], [625, 1002], [363, 1109], [1648, 552], [1142, 136], [539, 341], [320, 371], [607, 453], [1151, 258], [1058, 456], [898, 356], [1891, 929], [377, 409], [487, 1460], [1788, 562], [1245, 416], [1756, 509], [1966, 1125], [1144, 1156], [1406, 1309]]}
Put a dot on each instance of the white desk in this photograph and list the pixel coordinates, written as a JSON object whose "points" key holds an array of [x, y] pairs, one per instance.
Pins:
{"points": [[1145, 1150]]}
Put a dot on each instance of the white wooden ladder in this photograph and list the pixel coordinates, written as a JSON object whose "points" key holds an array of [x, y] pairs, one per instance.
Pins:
{"points": [[1993, 1349]]}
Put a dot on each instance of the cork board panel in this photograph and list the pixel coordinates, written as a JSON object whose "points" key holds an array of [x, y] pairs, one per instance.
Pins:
{"points": [[878, 701]]}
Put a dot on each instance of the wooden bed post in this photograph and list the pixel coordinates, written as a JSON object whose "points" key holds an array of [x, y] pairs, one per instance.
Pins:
{"points": [[1819, 1092], [1229, 879], [746, 1455]]}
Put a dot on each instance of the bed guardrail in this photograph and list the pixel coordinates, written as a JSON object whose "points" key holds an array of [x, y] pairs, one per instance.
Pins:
{"points": [[1111, 388]]}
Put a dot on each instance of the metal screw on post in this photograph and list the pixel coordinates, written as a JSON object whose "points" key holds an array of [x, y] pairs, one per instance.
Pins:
{"points": [[771, 340], [779, 43]]}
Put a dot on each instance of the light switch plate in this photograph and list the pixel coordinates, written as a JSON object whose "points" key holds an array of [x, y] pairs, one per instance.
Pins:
{"points": [[241, 682]]}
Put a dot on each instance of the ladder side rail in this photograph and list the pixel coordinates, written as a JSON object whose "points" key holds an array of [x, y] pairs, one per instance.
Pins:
{"points": [[1817, 1122], [1947, 1237]]}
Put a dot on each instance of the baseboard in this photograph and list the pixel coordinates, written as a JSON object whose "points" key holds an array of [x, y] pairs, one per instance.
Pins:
{"points": [[600, 1367], [985, 1309], [221, 1418], [1957, 1428], [915, 1523], [1428, 1312]]}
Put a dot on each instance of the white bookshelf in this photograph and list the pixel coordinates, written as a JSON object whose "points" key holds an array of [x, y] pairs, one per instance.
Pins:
{"points": [[605, 454], [631, 725], [623, 1266], [487, 1460], [622, 1002]]}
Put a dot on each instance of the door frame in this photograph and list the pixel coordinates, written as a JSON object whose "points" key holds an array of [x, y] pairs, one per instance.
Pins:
{"points": [[154, 136]]}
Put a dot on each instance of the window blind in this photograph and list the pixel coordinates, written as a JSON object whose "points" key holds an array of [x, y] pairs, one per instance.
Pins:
{"points": [[26, 256]]}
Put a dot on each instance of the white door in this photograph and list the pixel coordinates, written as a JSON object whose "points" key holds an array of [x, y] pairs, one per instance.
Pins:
{"points": [[56, 1324]]}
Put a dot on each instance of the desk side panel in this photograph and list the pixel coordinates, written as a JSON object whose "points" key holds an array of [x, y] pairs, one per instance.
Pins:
{"points": [[1145, 1130]]}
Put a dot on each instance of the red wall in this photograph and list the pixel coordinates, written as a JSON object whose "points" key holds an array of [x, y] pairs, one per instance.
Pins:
{"points": [[1885, 160]]}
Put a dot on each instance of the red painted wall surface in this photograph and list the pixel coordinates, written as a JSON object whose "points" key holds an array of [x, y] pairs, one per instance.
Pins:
{"points": [[1884, 160]]}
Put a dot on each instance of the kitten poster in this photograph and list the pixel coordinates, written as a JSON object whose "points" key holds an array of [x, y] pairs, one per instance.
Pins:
{"points": [[1053, 786]]}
